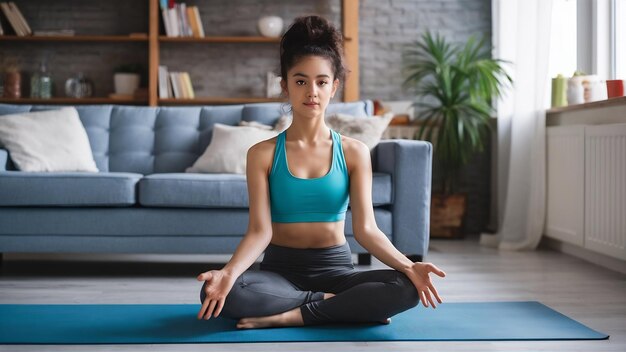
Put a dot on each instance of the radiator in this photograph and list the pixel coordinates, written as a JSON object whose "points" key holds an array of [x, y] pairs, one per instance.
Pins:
{"points": [[605, 189]]}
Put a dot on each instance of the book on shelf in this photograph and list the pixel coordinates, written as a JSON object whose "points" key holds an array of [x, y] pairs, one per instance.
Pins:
{"points": [[188, 86], [181, 86], [21, 18], [165, 87], [181, 20], [176, 89], [198, 31], [15, 18]]}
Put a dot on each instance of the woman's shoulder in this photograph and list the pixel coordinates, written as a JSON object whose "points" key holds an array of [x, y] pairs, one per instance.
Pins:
{"points": [[353, 146], [263, 152], [355, 151]]}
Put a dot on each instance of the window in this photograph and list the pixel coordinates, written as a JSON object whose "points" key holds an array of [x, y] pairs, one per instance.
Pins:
{"points": [[563, 39], [589, 36]]}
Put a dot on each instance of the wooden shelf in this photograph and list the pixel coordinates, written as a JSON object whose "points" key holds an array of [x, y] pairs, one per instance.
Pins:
{"points": [[156, 42], [217, 100], [63, 100], [591, 105], [75, 38], [219, 39]]}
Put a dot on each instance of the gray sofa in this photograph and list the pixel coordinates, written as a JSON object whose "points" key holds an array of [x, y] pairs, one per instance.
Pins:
{"points": [[142, 201]]}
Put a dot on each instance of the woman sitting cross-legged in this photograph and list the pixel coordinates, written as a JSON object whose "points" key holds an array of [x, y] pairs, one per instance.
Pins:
{"points": [[299, 185]]}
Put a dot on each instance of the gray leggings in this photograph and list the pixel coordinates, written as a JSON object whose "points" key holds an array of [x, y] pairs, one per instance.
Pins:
{"points": [[291, 278]]}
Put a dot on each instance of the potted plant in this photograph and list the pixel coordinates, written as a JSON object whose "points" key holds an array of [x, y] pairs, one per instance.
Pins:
{"points": [[455, 85], [127, 78]]}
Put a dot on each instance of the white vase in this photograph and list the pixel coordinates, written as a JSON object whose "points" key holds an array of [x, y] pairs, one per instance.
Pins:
{"points": [[270, 26], [126, 83]]}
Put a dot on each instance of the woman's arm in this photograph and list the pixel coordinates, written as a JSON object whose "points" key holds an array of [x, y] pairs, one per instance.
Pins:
{"points": [[257, 237], [259, 232], [367, 233]]}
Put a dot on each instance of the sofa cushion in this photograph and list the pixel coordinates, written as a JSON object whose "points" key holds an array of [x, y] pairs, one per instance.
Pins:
{"points": [[220, 190], [381, 188], [52, 141], [67, 189], [194, 190], [228, 150]]}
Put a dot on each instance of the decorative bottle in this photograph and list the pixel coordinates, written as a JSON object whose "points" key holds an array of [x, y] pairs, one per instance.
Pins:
{"points": [[34, 85], [45, 82]]}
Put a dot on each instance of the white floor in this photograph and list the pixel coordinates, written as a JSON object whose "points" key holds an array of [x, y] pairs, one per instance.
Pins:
{"points": [[588, 293]]}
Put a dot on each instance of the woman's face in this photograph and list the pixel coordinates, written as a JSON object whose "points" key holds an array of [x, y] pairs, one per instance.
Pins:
{"points": [[310, 85]]}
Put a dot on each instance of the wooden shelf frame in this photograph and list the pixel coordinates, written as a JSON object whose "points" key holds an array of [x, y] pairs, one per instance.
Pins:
{"points": [[350, 27], [74, 38], [215, 39]]}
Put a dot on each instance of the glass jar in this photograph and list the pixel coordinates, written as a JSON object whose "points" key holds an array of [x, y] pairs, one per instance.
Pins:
{"points": [[13, 85], [79, 87]]}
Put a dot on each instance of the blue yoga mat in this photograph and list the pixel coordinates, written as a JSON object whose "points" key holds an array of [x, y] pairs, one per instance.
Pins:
{"points": [[177, 323]]}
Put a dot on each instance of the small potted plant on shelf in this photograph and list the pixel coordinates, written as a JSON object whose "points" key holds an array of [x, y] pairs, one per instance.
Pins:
{"points": [[454, 85], [126, 79]]}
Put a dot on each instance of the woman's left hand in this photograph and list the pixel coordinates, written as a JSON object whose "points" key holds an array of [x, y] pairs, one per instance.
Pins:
{"points": [[418, 274]]}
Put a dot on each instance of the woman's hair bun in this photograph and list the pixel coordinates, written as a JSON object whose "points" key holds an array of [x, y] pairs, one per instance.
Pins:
{"points": [[312, 35], [313, 31]]}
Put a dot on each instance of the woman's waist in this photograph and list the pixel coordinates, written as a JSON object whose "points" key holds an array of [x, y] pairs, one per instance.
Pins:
{"points": [[283, 258], [310, 235]]}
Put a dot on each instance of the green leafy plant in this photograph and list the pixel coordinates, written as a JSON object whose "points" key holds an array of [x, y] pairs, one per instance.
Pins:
{"points": [[455, 85]]}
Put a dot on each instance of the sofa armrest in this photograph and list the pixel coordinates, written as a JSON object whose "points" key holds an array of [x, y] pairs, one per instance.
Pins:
{"points": [[4, 159], [410, 164]]}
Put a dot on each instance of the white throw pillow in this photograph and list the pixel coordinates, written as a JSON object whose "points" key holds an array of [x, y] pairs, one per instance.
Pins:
{"points": [[256, 124], [368, 130], [52, 140], [228, 149]]}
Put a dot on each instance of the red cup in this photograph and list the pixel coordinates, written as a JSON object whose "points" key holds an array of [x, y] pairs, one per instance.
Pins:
{"points": [[615, 88]]}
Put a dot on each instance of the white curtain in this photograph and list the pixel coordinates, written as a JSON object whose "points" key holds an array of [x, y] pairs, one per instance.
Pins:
{"points": [[522, 36]]}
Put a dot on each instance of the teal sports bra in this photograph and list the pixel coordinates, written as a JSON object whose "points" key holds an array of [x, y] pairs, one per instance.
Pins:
{"points": [[321, 199]]}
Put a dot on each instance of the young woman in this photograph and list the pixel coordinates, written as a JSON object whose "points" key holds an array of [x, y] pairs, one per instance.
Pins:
{"points": [[299, 184]]}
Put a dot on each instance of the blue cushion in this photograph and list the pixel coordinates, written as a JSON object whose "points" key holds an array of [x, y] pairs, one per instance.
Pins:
{"points": [[194, 191], [355, 108], [131, 139], [381, 188], [266, 113], [67, 189]]}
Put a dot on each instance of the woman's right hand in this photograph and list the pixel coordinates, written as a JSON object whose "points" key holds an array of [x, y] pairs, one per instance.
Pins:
{"points": [[218, 284]]}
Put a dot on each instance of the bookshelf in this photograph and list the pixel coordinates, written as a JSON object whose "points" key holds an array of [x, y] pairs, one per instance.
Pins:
{"points": [[154, 38]]}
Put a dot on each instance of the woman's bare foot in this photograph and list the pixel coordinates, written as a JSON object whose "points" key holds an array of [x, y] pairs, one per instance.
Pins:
{"points": [[290, 318]]}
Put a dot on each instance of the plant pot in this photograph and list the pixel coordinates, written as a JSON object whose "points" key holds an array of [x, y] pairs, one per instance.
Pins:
{"points": [[126, 83], [446, 215]]}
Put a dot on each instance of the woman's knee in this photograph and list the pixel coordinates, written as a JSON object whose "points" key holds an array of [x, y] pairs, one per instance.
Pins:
{"points": [[407, 293]]}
